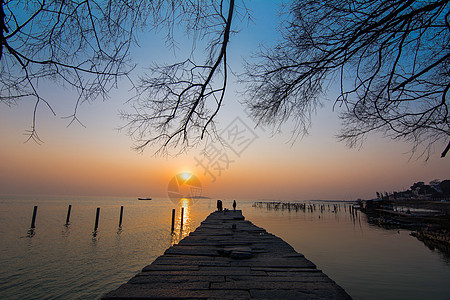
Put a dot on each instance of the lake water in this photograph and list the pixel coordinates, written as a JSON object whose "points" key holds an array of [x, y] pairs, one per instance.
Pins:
{"points": [[68, 262]]}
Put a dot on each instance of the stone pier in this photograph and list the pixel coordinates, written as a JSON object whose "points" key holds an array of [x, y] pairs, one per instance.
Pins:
{"points": [[227, 257]]}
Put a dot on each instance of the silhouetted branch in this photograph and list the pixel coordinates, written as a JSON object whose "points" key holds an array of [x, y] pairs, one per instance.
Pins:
{"points": [[391, 58], [81, 44], [176, 105], [446, 150]]}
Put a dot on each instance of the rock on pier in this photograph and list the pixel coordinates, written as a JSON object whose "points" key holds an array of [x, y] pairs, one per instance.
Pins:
{"points": [[227, 257]]}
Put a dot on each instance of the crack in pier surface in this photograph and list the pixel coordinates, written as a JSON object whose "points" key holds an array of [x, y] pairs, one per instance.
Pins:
{"points": [[228, 257]]}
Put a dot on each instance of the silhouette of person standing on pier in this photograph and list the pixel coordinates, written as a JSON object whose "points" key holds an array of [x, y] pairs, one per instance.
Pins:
{"points": [[219, 205], [234, 205]]}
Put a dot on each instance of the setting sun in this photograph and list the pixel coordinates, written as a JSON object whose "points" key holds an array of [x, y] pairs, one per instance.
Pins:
{"points": [[186, 175], [184, 186]]}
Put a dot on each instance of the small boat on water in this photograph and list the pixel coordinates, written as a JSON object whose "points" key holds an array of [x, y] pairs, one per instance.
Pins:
{"points": [[144, 198]]}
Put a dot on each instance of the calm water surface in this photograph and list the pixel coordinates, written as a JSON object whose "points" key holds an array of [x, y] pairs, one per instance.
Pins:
{"points": [[68, 262]]}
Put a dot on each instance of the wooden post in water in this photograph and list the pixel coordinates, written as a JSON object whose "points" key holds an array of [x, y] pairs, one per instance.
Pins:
{"points": [[173, 219], [121, 215], [182, 214], [33, 219], [97, 215], [68, 214]]}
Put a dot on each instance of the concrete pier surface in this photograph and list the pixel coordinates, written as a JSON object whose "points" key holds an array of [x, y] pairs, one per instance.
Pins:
{"points": [[227, 257]]}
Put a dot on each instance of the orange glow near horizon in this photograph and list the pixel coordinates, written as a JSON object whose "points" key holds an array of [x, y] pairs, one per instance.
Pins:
{"points": [[311, 169], [96, 159]]}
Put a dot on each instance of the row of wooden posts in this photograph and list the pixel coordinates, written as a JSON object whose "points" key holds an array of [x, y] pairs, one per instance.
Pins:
{"points": [[278, 205], [97, 217]]}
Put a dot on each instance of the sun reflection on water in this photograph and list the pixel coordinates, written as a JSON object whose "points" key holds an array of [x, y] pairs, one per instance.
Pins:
{"points": [[184, 220]]}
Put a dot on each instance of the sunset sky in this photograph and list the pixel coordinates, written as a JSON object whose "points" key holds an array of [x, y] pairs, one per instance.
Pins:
{"points": [[98, 159]]}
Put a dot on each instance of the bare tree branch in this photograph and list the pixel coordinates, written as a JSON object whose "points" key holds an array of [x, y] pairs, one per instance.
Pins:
{"points": [[391, 58], [82, 44], [177, 103]]}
